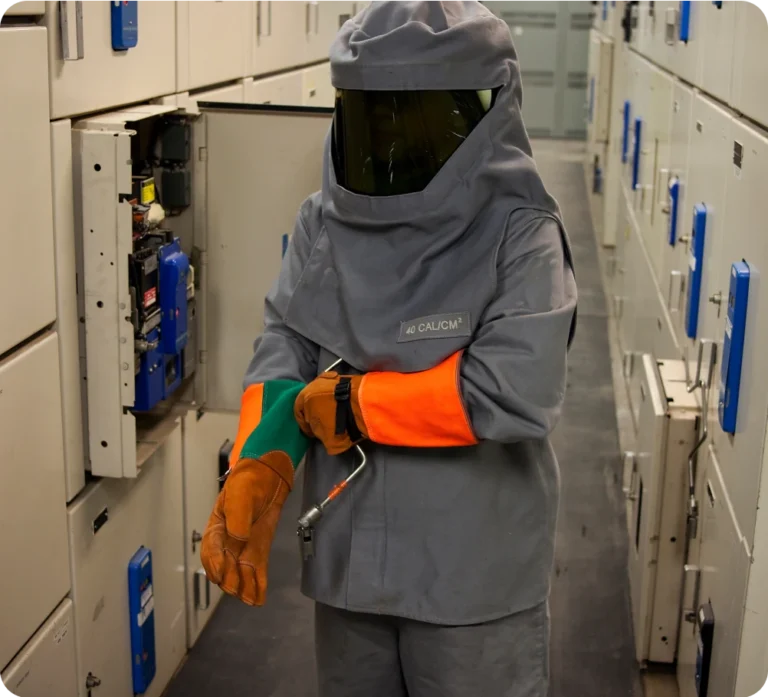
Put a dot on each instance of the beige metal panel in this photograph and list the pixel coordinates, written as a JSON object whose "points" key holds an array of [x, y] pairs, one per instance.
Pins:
{"points": [[31, 492], [205, 432], [67, 325], [145, 511], [740, 455], [46, 665], [685, 58], [317, 89], [675, 264], [280, 89], [251, 154], [322, 22], [711, 149], [231, 93], [753, 657], [750, 67], [724, 564], [213, 42], [31, 7], [105, 78], [718, 29], [26, 265], [656, 167], [280, 37]]}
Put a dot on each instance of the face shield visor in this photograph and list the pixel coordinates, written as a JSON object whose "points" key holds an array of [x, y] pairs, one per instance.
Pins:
{"points": [[392, 143]]}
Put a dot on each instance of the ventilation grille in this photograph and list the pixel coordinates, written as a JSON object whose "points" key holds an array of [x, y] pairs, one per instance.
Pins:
{"points": [[539, 20], [581, 21], [539, 78]]}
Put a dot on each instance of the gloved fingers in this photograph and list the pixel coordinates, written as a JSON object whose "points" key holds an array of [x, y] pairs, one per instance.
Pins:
{"points": [[230, 582], [212, 550], [253, 578], [238, 505]]}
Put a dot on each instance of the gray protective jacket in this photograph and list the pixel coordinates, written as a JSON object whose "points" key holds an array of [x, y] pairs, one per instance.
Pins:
{"points": [[450, 535]]}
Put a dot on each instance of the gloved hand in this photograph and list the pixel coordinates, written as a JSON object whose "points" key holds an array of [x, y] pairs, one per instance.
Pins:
{"points": [[415, 410], [238, 537], [329, 409]]}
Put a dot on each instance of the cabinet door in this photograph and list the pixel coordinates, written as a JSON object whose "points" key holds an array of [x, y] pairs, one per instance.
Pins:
{"points": [[261, 163], [280, 38], [26, 265], [322, 21], [32, 500], [205, 432], [750, 67], [317, 88], [108, 523], [645, 501], [112, 77], [46, 665], [213, 42], [718, 29], [281, 89], [740, 455]]}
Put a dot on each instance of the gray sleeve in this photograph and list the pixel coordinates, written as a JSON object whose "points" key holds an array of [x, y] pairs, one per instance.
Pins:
{"points": [[281, 353], [513, 374]]}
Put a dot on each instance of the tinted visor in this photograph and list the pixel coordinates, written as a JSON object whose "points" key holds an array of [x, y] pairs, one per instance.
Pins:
{"points": [[390, 143]]}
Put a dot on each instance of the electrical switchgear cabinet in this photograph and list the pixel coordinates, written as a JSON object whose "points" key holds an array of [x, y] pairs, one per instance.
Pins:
{"points": [[657, 493], [745, 165], [26, 265], [32, 501], [46, 664], [108, 522]]}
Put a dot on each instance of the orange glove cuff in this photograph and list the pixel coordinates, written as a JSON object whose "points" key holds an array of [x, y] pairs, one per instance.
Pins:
{"points": [[420, 410]]}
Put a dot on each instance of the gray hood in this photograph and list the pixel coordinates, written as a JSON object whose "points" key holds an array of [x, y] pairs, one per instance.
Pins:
{"points": [[380, 261]]}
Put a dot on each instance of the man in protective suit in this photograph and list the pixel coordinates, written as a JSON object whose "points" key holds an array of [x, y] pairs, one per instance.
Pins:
{"points": [[435, 265]]}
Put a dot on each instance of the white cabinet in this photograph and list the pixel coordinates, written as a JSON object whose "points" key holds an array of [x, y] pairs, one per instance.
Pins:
{"points": [[32, 502], [26, 264], [750, 62], [599, 87], [213, 42], [280, 36], [724, 562], [251, 152], [280, 89], [67, 324], [675, 257], [104, 78], [30, 7], [108, 523], [205, 433], [740, 454], [46, 665], [718, 27], [317, 89], [710, 151], [322, 22], [657, 494]]}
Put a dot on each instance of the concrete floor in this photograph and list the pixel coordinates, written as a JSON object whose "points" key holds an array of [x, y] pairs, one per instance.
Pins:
{"points": [[268, 652]]}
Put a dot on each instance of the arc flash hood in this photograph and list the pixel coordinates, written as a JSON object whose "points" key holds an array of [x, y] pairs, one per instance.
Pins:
{"points": [[380, 261]]}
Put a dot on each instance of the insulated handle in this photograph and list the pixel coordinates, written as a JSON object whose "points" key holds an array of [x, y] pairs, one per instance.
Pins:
{"points": [[625, 133], [636, 155]]}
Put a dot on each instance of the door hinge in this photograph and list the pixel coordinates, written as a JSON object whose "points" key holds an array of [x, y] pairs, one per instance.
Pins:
{"points": [[202, 154]]}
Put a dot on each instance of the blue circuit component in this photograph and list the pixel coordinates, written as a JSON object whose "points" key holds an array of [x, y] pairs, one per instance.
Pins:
{"points": [[733, 346], [695, 270], [125, 24], [174, 269], [150, 379], [674, 200], [141, 603]]}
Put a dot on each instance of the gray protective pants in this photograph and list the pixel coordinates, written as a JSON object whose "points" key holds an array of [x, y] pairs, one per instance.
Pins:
{"points": [[360, 655]]}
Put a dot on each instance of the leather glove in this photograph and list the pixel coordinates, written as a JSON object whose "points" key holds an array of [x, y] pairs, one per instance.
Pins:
{"points": [[237, 540], [329, 409]]}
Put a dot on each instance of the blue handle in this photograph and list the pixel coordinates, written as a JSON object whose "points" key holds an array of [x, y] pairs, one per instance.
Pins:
{"points": [[685, 20], [591, 98], [718, 4], [636, 156], [605, 10], [674, 198], [625, 133], [695, 269], [285, 244]]}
